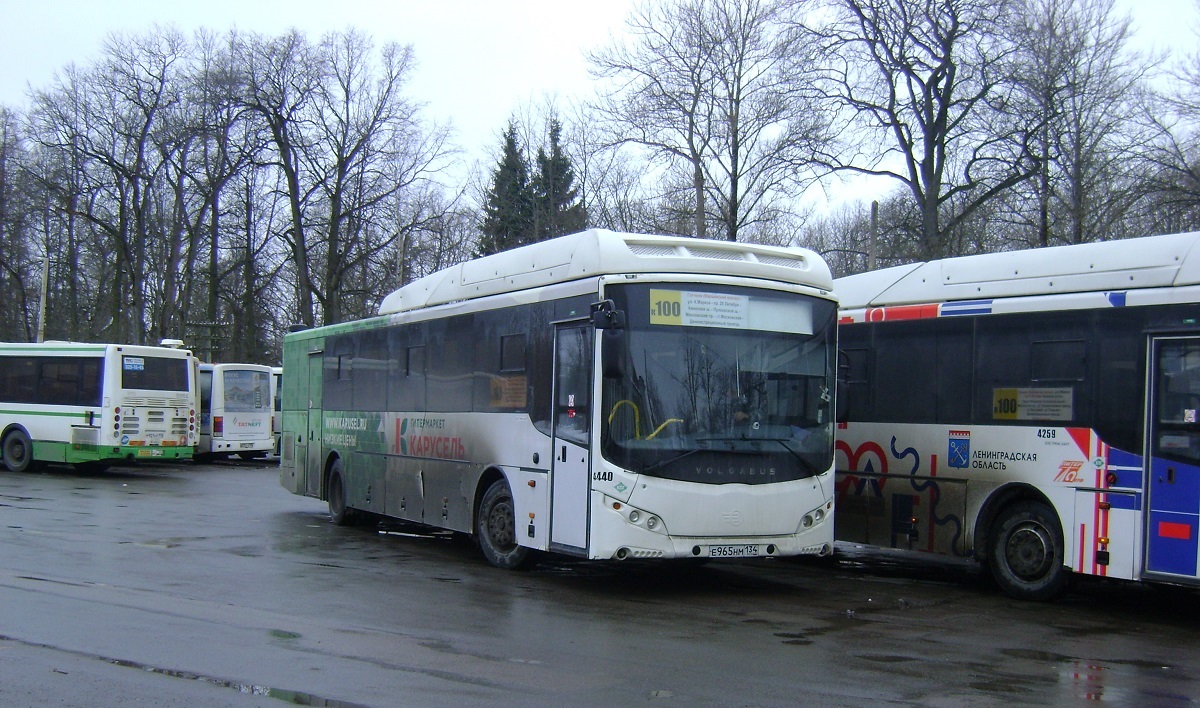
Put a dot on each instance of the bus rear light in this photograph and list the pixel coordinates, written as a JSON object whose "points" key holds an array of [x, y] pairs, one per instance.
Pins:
{"points": [[218, 425]]}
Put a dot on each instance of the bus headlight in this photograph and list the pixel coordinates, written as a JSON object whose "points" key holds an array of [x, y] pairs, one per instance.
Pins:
{"points": [[639, 517], [814, 517]]}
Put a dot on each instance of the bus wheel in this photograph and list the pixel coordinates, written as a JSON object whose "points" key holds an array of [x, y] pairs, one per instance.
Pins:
{"points": [[18, 452], [496, 529], [339, 513], [1026, 553]]}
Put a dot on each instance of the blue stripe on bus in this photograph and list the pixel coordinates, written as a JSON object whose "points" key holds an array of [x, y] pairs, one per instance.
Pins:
{"points": [[1116, 299], [1127, 467], [966, 307]]}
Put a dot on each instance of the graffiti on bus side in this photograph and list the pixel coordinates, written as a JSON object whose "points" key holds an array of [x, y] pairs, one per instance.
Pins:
{"points": [[869, 468]]}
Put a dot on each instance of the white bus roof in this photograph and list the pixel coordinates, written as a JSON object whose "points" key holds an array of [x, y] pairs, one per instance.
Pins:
{"points": [[58, 345], [233, 365], [600, 252], [1129, 264]]}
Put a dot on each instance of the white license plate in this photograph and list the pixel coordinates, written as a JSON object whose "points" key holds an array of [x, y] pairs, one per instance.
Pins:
{"points": [[247, 446], [733, 551]]}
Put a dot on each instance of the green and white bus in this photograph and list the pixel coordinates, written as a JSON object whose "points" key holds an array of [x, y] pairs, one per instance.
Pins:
{"points": [[600, 395], [95, 404]]}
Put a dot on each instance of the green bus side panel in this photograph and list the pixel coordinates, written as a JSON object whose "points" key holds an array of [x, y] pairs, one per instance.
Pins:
{"points": [[70, 453]]}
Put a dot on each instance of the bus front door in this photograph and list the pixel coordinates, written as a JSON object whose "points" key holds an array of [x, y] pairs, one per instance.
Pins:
{"points": [[312, 457], [1173, 445], [571, 467]]}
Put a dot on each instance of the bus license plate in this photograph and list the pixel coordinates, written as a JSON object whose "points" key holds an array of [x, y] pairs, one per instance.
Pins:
{"points": [[247, 446], [733, 551]]}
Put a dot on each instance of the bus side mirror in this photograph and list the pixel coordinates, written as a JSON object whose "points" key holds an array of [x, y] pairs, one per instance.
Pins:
{"points": [[841, 411], [610, 324], [612, 353], [605, 315]]}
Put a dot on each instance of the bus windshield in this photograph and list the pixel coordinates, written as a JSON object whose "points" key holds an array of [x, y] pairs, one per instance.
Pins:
{"points": [[721, 384]]}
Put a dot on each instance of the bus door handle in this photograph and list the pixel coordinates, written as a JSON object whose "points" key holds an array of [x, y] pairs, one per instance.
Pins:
{"points": [[1170, 475], [564, 454]]}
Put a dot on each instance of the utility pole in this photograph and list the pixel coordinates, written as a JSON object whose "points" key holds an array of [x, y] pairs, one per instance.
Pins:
{"points": [[874, 235], [41, 332]]}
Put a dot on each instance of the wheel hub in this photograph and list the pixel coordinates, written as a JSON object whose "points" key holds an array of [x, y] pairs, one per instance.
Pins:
{"points": [[500, 525], [1028, 552]]}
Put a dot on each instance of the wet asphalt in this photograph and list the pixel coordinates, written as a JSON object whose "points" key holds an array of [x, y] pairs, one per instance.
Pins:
{"points": [[210, 585]]}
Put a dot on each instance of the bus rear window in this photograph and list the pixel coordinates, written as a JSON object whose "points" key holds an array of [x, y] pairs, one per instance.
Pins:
{"points": [[247, 391], [151, 373]]}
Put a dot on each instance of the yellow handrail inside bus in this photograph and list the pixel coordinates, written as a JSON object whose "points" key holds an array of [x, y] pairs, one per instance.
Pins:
{"points": [[659, 429], [637, 416]]}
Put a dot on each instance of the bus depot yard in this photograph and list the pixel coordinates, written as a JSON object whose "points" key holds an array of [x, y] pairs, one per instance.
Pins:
{"points": [[690, 412], [183, 583]]}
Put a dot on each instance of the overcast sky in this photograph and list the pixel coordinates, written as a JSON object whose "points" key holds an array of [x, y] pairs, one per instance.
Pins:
{"points": [[479, 61]]}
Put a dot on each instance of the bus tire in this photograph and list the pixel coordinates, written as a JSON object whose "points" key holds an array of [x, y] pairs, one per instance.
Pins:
{"points": [[496, 529], [18, 451], [1026, 552], [339, 513]]}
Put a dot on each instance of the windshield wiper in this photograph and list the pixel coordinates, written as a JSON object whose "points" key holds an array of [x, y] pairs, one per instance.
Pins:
{"points": [[674, 458], [808, 466]]}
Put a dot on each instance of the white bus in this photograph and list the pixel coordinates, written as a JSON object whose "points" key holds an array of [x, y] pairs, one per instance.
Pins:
{"points": [[92, 405], [1036, 410], [600, 395], [235, 411]]}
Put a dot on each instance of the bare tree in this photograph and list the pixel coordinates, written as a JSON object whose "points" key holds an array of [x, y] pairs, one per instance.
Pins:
{"points": [[18, 216], [927, 82], [108, 120], [346, 141], [1083, 86], [714, 87], [1174, 179], [278, 78]]}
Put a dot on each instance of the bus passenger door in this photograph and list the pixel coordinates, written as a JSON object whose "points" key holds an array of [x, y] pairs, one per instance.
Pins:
{"points": [[312, 458], [1173, 444], [570, 468]]}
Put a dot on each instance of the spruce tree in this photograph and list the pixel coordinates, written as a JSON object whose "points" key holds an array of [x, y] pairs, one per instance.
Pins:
{"points": [[509, 212], [557, 209]]}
